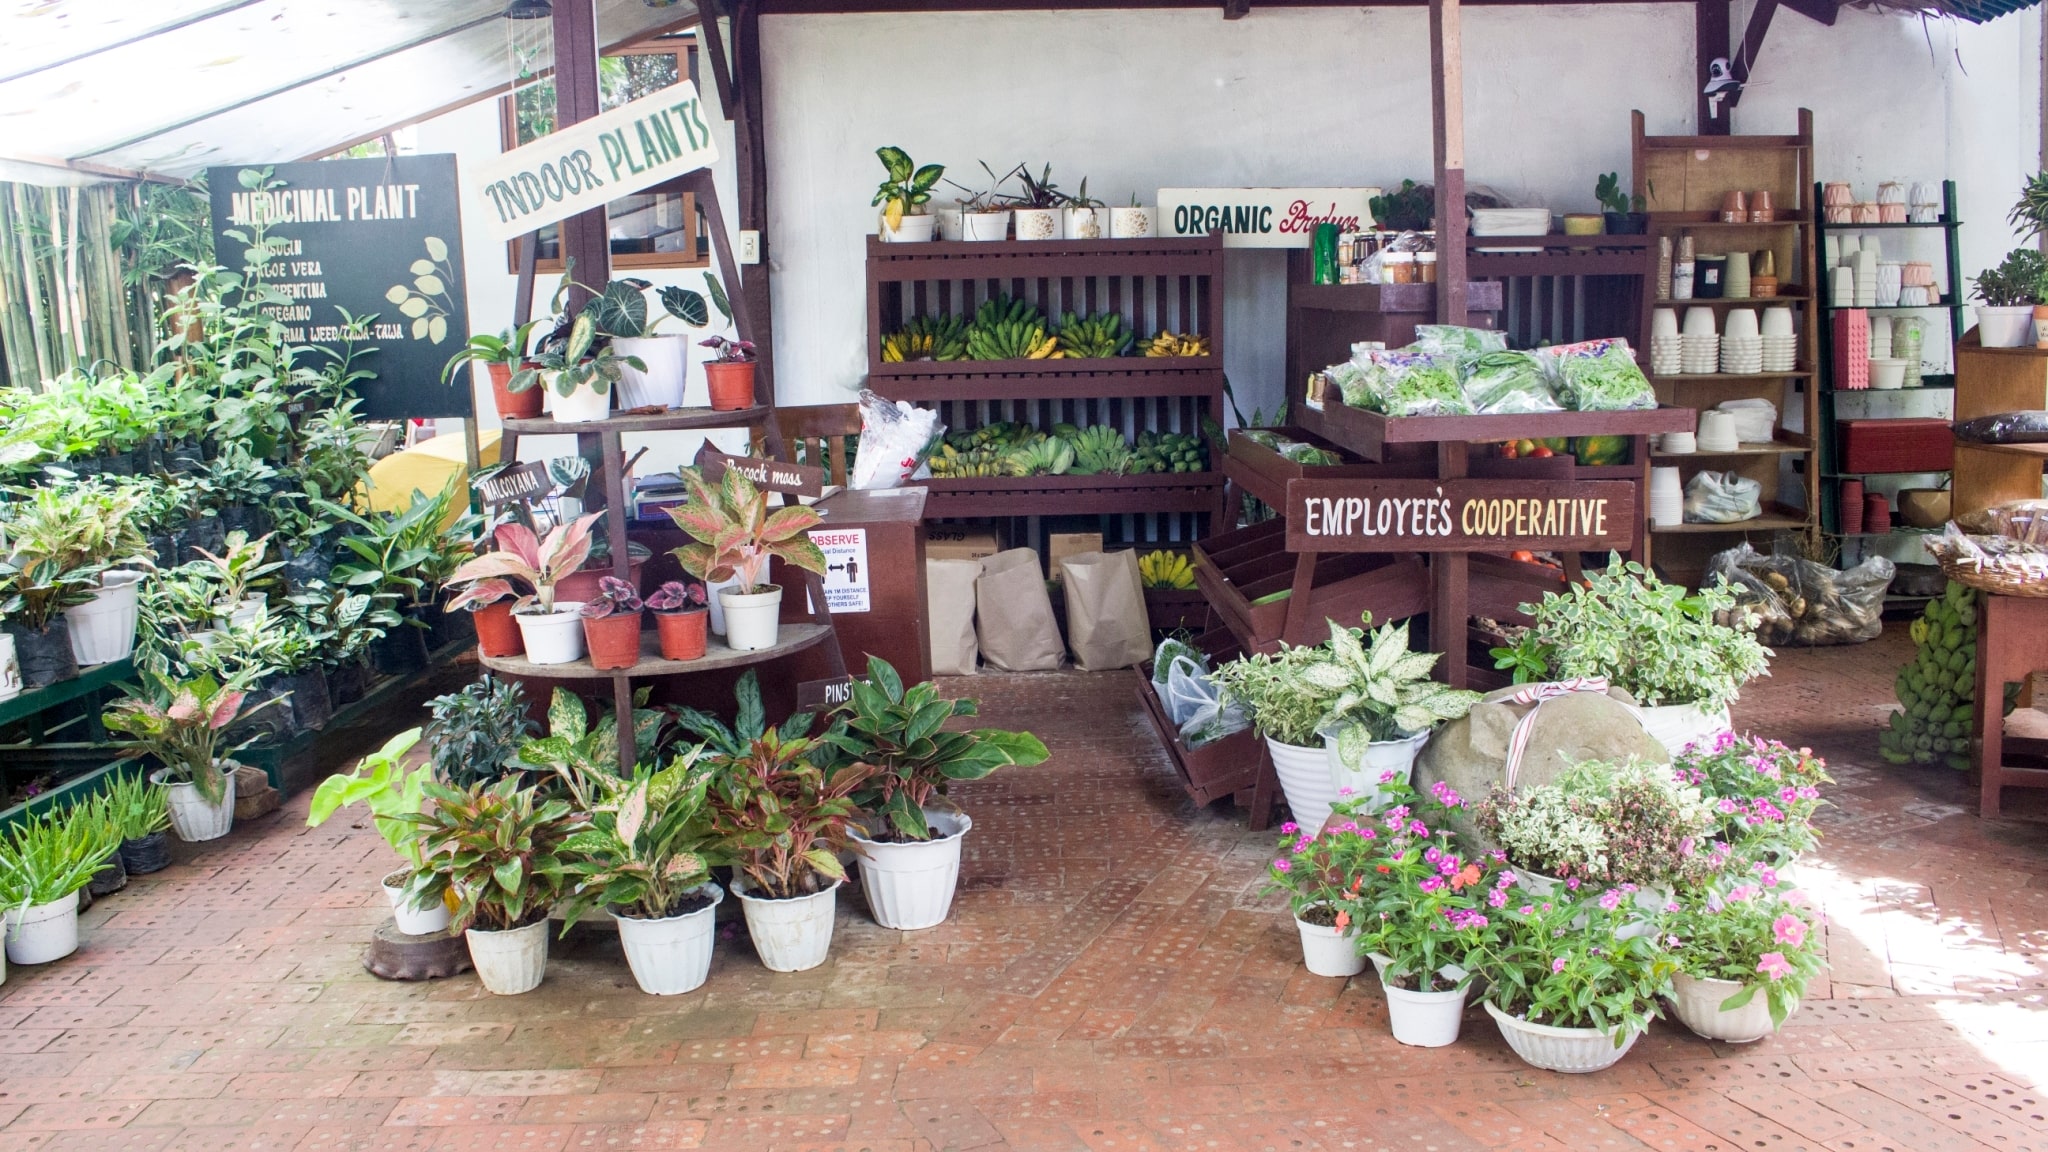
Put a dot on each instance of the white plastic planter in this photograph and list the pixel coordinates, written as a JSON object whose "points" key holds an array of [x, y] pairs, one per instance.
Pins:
{"points": [[554, 637], [1697, 1004], [790, 935], [2005, 327], [1037, 223], [1086, 223], [1133, 223], [511, 962], [1381, 757], [912, 230], [583, 405], [909, 884], [1561, 1049], [248, 609], [192, 818], [41, 933], [1305, 778], [10, 668], [1679, 726], [1329, 951], [103, 628], [985, 226], [750, 620], [672, 955], [668, 365], [429, 921], [1425, 1019]]}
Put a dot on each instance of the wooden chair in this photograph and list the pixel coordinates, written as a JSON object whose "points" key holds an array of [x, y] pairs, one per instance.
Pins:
{"points": [[817, 434]]}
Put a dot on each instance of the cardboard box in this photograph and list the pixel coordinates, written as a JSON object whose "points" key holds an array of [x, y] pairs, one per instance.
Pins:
{"points": [[1061, 545], [959, 542]]}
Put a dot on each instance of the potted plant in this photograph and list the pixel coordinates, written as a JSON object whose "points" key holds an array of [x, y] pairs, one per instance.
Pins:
{"points": [[985, 216], [1085, 218], [733, 534], [1763, 792], [44, 860], [902, 197], [1286, 710], [1385, 704], [476, 732], [1652, 640], [552, 632], [180, 723], [141, 810], [2009, 293], [647, 856], [232, 573], [1409, 208], [611, 625], [578, 371], [1134, 221], [621, 313], [1570, 983], [682, 616], [1745, 949], [1038, 206], [1623, 213], [910, 846], [37, 591], [489, 603], [730, 375], [1603, 824], [499, 354], [1319, 872], [96, 527], [381, 783], [502, 852]]}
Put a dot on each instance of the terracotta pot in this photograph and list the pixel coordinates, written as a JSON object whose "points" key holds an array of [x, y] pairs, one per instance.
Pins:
{"points": [[496, 634], [512, 405], [614, 640], [732, 385], [581, 585], [682, 633]]}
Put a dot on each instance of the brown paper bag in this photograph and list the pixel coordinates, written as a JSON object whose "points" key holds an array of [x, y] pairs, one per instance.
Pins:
{"points": [[949, 602], [1106, 622], [1013, 615]]}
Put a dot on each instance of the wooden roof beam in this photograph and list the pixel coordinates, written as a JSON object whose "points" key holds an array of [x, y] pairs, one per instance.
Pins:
{"points": [[1236, 9]]}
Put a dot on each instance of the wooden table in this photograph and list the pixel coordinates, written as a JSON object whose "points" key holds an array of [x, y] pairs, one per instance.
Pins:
{"points": [[2012, 642]]}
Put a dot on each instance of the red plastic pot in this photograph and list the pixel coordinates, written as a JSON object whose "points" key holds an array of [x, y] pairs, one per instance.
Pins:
{"points": [[732, 384], [512, 405], [614, 640], [683, 633], [497, 634]]}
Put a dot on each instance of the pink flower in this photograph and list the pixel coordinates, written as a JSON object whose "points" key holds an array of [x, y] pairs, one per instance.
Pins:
{"points": [[1283, 866], [1774, 965], [1289, 828], [1387, 777], [1368, 834], [1789, 929], [1343, 791], [1742, 892], [1557, 965], [1431, 884], [1496, 898], [1726, 805], [1767, 875], [1526, 910], [1610, 899], [1506, 880], [1571, 884]]}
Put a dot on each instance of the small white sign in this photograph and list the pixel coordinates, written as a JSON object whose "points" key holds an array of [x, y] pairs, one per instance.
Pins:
{"points": [[846, 567], [1263, 217]]}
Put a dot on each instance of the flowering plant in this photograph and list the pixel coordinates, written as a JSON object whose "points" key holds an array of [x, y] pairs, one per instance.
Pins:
{"points": [[1752, 929], [1427, 911], [1567, 963], [1764, 792], [1323, 872], [1632, 823]]}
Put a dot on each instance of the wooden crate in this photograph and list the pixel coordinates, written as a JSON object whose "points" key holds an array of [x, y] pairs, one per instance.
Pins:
{"points": [[1244, 565]]}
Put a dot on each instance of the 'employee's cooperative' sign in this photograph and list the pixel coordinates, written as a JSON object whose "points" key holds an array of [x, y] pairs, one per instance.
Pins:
{"points": [[1263, 217], [1459, 515], [583, 166]]}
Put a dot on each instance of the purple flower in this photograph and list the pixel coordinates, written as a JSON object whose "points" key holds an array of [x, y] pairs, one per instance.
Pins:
{"points": [[1496, 898], [1557, 965], [1289, 828], [1571, 884], [1766, 875], [1283, 866], [1506, 880]]}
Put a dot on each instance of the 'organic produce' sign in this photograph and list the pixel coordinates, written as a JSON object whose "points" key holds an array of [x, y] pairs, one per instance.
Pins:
{"points": [[1459, 515], [1263, 217]]}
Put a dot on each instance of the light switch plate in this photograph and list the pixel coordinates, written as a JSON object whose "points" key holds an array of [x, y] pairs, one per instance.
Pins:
{"points": [[750, 247]]}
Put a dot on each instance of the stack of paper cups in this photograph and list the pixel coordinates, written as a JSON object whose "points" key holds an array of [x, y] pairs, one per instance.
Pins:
{"points": [[1667, 498]]}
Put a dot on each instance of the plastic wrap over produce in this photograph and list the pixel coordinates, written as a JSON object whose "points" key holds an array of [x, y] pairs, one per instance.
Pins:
{"points": [[1599, 376], [1794, 601], [2005, 428], [893, 439]]}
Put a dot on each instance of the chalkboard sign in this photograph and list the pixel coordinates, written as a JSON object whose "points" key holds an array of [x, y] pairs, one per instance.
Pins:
{"points": [[379, 237]]}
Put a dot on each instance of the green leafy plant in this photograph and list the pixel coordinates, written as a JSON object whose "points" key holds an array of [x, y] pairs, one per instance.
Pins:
{"points": [[238, 568], [477, 731], [1325, 874], [1764, 792], [1575, 963], [508, 348], [540, 563], [1381, 690], [1038, 191], [180, 723], [408, 553], [2030, 213], [1751, 930], [2018, 280], [649, 843], [733, 533], [907, 188], [1601, 823], [381, 783], [138, 807], [1608, 191], [573, 742], [1413, 897], [500, 848], [620, 310], [47, 856], [782, 817], [1409, 208], [575, 361], [1283, 705]]}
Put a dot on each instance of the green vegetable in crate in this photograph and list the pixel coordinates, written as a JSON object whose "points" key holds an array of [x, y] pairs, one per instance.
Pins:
{"points": [[1007, 328], [1100, 336], [1170, 452], [1099, 450], [1937, 691], [1049, 456], [1598, 451]]}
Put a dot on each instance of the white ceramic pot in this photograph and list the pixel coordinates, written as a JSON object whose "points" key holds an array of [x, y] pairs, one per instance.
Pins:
{"points": [[1381, 757], [2004, 327], [1426, 1019], [244, 611], [1561, 1049], [1133, 223], [1679, 726], [672, 955], [909, 884], [429, 921], [1329, 951], [1086, 223], [750, 620], [553, 637], [103, 628], [985, 226], [192, 818], [948, 223], [1044, 224], [790, 935], [912, 230], [512, 962], [10, 668], [1305, 779], [668, 365], [41, 933], [1697, 1003]]}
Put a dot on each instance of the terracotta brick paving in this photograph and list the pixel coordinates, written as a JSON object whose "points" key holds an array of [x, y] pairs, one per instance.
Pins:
{"points": [[1111, 981]]}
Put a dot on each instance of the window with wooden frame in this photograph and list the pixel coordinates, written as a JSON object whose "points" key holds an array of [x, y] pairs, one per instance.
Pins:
{"points": [[657, 227]]}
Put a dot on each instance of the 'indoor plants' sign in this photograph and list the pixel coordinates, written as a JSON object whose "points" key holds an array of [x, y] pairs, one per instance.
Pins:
{"points": [[587, 165], [1263, 217], [1459, 515], [378, 239]]}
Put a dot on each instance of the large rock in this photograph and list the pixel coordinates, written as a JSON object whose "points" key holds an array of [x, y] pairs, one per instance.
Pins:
{"points": [[1471, 754]]}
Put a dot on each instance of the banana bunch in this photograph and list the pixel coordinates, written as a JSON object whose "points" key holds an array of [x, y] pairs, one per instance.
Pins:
{"points": [[1098, 450], [1043, 456], [1100, 336], [1001, 434], [1165, 570], [948, 462], [1169, 452], [1173, 344], [1009, 329], [927, 338], [1938, 690]]}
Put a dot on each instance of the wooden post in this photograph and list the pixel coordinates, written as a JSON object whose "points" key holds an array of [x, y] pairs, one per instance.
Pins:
{"points": [[1447, 108], [1450, 580], [1710, 39], [584, 235], [750, 144]]}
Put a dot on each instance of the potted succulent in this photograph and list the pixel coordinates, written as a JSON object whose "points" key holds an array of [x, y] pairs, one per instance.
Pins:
{"points": [[733, 534], [611, 624], [1623, 214], [1571, 983], [1287, 711], [141, 809], [1319, 872], [621, 313], [502, 852], [902, 197], [1038, 206], [551, 631], [1745, 949], [2010, 293], [499, 355], [44, 860], [1385, 704], [579, 373], [180, 723], [910, 846], [381, 783], [730, 374], [489, 603], [682, 617], [476, 732]]}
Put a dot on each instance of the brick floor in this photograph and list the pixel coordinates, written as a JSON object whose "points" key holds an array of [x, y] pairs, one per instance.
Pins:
{"points": [[1112, 980]]}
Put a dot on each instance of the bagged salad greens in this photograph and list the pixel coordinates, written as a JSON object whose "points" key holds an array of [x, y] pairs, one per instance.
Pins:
{"points": [[1294, 450], [1402, 384], [1498, 383], [1599, 376], [1456, 340]]}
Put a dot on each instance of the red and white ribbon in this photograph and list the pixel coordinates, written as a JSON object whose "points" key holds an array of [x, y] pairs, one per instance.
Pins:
{"points": [[1536, 694]]}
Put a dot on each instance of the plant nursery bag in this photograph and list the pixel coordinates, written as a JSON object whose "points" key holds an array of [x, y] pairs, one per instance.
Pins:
{"points": [[1106, 622], [949, 595], [1013, 614]]}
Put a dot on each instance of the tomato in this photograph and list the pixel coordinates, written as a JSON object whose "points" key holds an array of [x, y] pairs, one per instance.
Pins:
{"points": [[1542, 452]]}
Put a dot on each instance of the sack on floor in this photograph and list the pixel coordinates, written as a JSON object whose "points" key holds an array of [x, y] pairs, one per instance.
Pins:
{"points": [[1106, 622], [1013, 614], [949, 602]]}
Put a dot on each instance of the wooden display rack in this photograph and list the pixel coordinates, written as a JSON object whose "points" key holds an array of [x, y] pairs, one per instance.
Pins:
{"points": [[1990, 381]]}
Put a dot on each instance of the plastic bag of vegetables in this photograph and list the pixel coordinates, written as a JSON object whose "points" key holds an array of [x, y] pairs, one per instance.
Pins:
{"points": [[1405, 384], [1509, 382], [1457, 340], [1798, 602], [1598, 376]]}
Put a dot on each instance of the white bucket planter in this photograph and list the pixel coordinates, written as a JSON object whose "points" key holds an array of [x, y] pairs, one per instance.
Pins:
{"points": [[41, 933], [1381, 757], [1425, 1019], [985, 226], [1697, 1003], [10, 668], [790, 935], [1087, 223], [512, 962], [751, 619], [103, 628], [1133, 223], [1329, 951], [909, 884], [429, 921], [668, 365], [912, 230], [1679, 726], [1561, 1049], [1042, 224], [583, 405], [1305, 778], [2005, 327], [553, 637], [672, 955], [192, 818]]}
